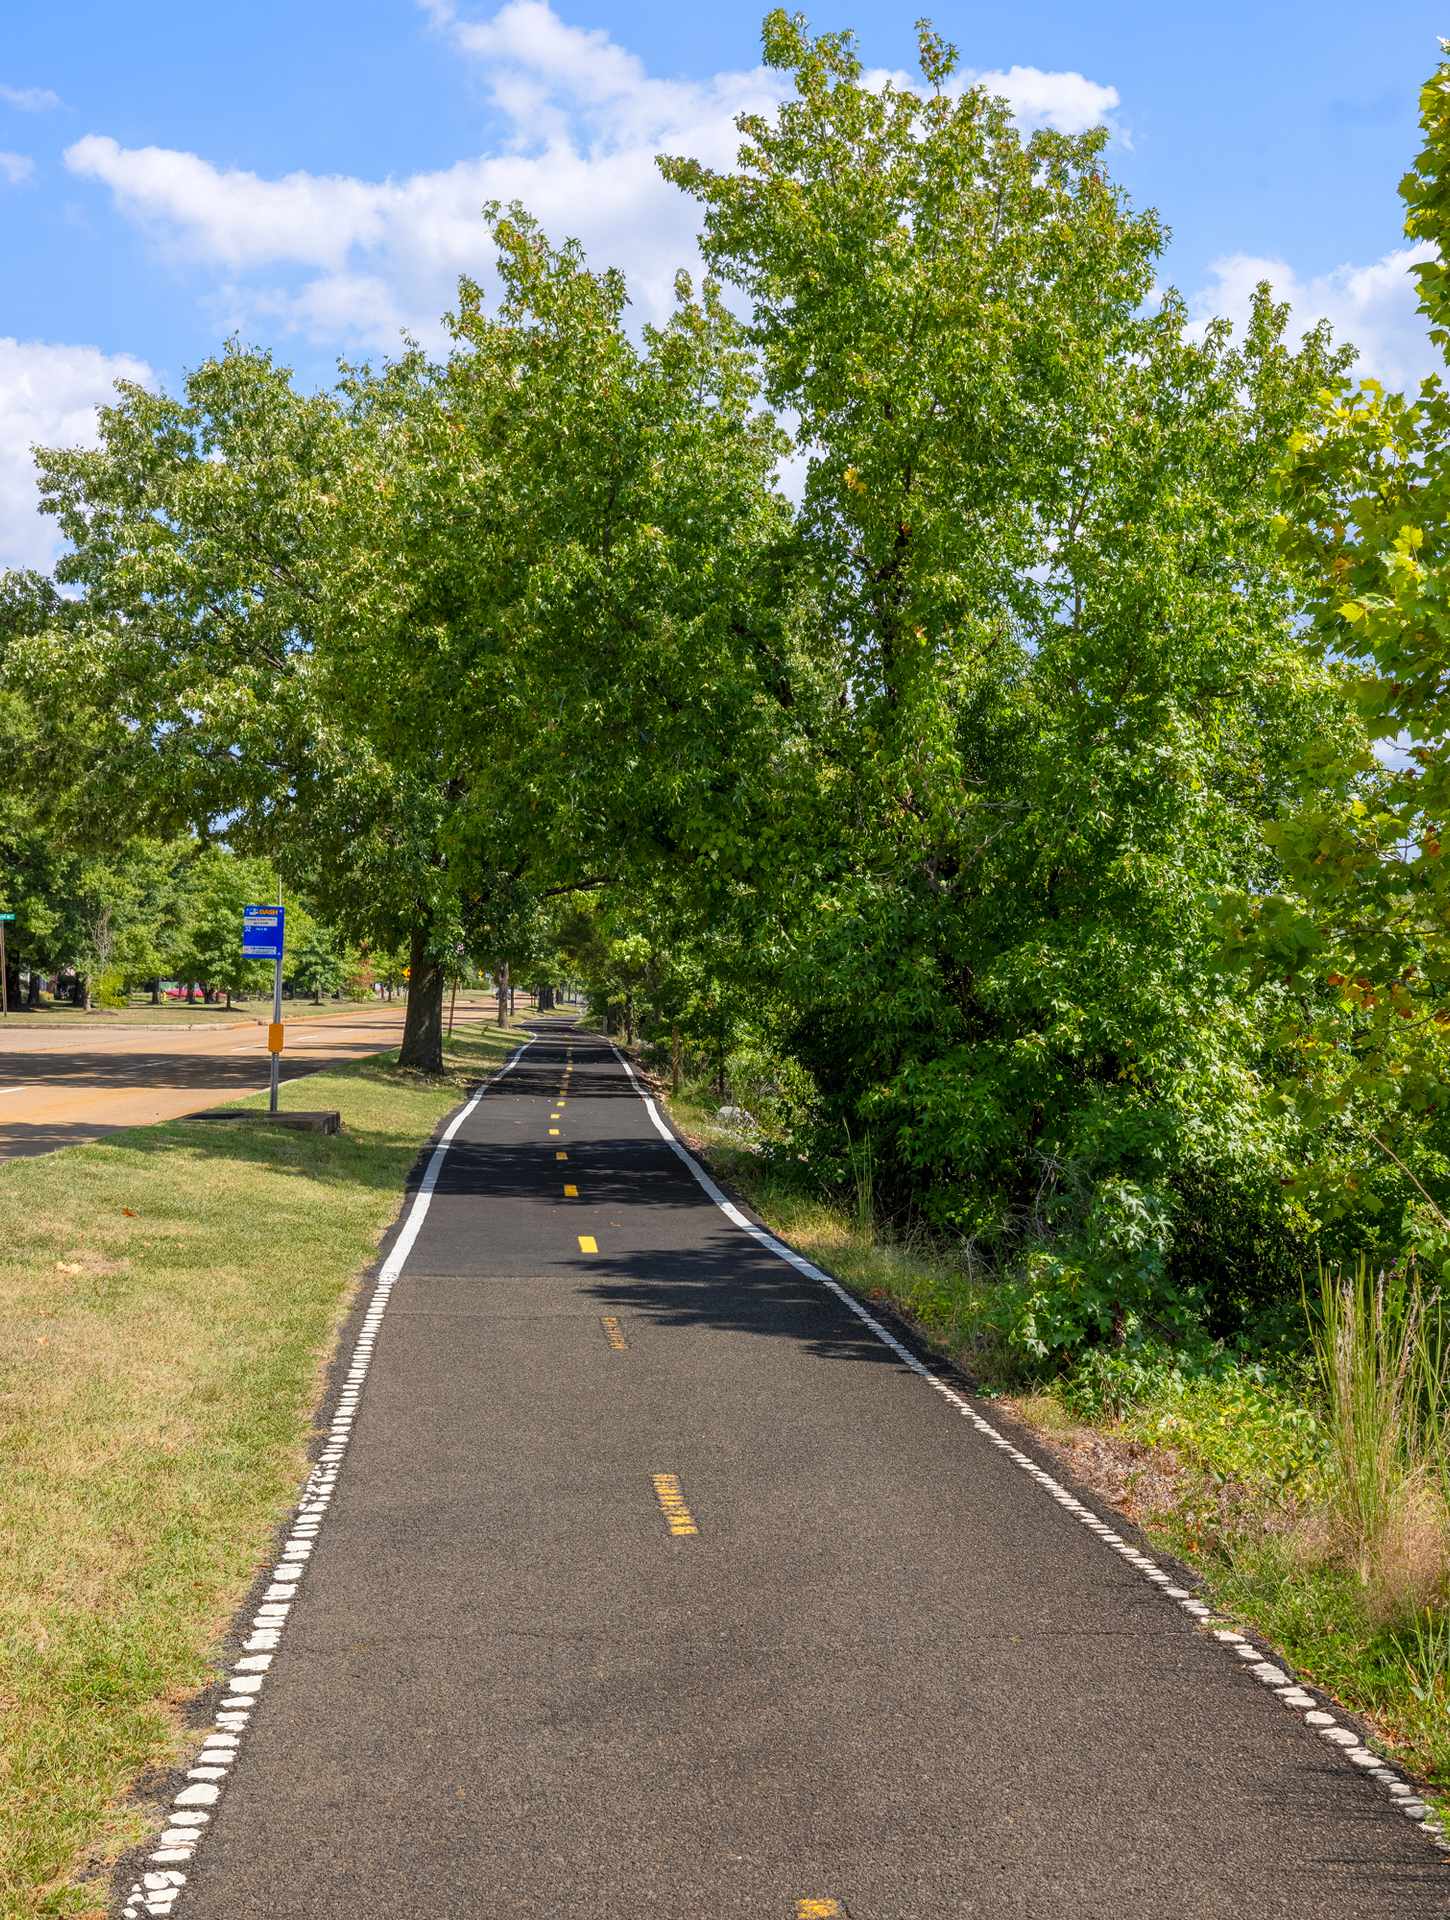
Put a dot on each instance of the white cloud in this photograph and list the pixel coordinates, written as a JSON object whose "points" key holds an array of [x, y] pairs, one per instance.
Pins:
{"points": [[233, 218], [15, 168], [1066, 102], [1372, 306], [583, 123], [48, 397], [29, 99]]}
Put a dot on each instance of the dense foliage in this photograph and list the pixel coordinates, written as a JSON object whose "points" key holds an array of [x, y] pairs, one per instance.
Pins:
{"points": [[1002, 815]]}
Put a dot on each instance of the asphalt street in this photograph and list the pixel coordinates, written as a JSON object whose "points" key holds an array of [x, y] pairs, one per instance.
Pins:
{"points": [[654, 1585], [59, 1087]]}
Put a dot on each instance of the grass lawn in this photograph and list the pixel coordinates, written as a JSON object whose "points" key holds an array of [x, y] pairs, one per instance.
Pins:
{"points": [[169, 1298]]}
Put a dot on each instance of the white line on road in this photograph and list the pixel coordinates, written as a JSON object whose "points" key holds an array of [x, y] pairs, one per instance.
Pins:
{"points": [[164, 1878], [1290, 1692]]}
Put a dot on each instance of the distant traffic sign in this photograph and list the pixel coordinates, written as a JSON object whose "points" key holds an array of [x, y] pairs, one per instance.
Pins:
{"points": [[263, 929]]}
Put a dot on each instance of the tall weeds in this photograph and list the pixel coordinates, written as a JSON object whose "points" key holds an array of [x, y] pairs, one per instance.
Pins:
{"points": [[1381, 1354]]}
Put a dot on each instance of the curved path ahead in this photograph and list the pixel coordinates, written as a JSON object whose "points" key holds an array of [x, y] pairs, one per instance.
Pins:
{"points": [[655, 1584]]}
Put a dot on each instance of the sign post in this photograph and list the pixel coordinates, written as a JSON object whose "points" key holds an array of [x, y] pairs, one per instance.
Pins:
{"points": [[263, 931], [4, 976]]}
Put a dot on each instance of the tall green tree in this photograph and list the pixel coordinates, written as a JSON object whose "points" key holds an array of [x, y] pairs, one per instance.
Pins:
{"points": [[1037, 535], [1359, 928], [203, 533]]}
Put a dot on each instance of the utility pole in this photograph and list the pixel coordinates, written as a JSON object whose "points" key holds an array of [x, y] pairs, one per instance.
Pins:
{"points": [[4, 974]]}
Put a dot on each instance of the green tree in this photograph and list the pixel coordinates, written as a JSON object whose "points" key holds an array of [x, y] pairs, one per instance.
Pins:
{"points": [[204, 539], [1359, 927], [313, 960], [1037, 536], [212, 954]]}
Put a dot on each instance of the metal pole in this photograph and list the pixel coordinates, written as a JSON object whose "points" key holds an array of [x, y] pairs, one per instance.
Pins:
{"points": [[276, 1013], [4, 977]]}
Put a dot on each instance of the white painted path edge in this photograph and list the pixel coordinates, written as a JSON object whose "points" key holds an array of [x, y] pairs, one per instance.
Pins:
{"points": [[164, 1876], [1402, 1793]]}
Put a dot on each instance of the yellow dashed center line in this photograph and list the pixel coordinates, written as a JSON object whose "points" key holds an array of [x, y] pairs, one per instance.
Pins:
{"points": [[819, 1910], [672, 1504], [561, 1156], [588, 1244], [612, 1333], [553, 1133], [570, 1193]]}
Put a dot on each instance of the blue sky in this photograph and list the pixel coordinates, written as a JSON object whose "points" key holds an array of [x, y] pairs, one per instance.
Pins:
{"points": [[309, 175]]}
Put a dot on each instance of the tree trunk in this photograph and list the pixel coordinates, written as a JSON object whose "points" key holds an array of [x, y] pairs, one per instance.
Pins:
{"points": [[501, 992], [317, 996], [229, 999], [156, 993], [629, 1019], [422, 1046], [32, 997], [676, 1061]]}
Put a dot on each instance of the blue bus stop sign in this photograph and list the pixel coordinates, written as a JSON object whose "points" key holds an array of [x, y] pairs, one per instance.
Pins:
{"points": [[262, 932]]}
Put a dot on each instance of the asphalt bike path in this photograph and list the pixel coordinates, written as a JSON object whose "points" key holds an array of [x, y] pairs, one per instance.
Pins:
{"points": [[656, 1583]]}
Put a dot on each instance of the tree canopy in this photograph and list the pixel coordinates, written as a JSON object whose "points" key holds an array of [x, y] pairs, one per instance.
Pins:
{"points": [[927, 681]]}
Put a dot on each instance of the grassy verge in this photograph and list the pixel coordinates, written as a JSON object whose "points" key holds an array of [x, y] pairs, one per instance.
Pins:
{"points": [[1225, 1469], [168, 1301]]}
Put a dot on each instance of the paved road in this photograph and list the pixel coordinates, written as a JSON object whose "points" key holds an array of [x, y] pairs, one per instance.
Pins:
{"points": [[59, 1087], [654, 1585]]}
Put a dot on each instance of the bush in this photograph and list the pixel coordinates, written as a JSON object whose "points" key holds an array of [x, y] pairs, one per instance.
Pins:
{"points": [[109, 990]]}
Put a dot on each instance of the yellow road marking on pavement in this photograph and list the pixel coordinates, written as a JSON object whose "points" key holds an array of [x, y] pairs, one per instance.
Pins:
{"points": [[570, 1193], [553, 1133], [588, 1244], [672, 1504], [611, 1328], [561, 1156], [819, 1910], [553, 1116]]}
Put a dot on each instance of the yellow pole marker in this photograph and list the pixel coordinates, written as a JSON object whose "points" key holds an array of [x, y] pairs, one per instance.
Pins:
{"points": [[570, 1193], [561, 1156], [672, 1504], [819, 1910], [588, 1244], [612, 1333]]}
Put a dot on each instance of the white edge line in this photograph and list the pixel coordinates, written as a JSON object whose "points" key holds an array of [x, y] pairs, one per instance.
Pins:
{"points": [[164, 1877], [1291, 1693]]}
